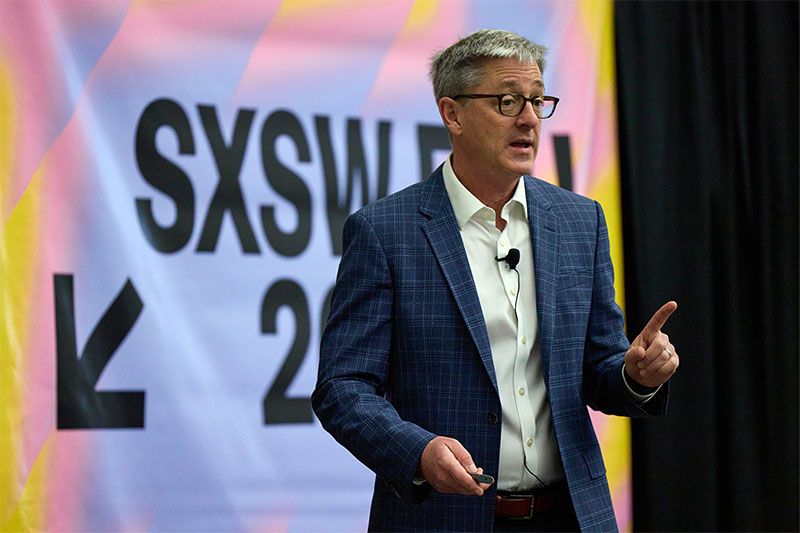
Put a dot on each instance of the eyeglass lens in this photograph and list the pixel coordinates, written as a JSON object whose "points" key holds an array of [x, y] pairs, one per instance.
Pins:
{"points": [[512, 105]]}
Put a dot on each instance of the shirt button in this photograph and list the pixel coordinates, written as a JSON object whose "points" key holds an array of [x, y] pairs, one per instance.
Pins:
{"points": [[502, 243], [513, 292], [522, 391], [524, 340], [530, 442]]}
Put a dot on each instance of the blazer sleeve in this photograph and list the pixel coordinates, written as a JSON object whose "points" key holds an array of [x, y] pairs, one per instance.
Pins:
{"points": [[606, 343], [349, 398]]}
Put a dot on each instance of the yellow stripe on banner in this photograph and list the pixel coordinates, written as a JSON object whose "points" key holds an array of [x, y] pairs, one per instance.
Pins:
{"points": [[421, 15], [292, 8], [598, 20], [28, 514], [17, 267], [606, 187]]}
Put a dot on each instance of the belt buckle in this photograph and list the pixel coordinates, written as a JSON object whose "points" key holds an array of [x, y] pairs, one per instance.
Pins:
{"points": [[530, 511]]}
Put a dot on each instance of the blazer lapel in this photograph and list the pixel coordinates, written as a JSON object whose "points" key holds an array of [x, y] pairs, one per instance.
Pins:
{"points": [[545, 240], [445, 239]]}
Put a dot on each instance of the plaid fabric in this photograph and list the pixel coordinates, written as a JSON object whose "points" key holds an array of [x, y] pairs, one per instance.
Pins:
{"points": [[405, 355]]}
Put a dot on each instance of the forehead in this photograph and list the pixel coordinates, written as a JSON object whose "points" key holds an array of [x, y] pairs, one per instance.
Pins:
{"points": [[510, 74]]}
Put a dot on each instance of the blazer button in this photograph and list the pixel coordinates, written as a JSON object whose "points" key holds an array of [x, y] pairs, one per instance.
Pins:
{"points": [[492, 418]]}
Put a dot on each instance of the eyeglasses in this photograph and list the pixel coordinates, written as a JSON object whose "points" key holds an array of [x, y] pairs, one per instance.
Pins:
{"points": [[512, 105]]}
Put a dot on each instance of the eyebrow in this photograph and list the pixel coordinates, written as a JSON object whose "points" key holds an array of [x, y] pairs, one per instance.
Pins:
{"points": [[511, 84]]}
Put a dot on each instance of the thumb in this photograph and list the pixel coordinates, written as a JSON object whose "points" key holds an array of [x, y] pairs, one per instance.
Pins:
{"points": [[462, 455], [634, 354]]}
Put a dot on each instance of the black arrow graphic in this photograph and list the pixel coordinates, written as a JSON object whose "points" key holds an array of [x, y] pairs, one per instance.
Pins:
{"points": [[79, 406], [563, 161]]}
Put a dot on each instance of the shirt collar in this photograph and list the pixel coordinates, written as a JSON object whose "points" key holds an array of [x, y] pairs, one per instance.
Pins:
{"points": [[465, 205]]}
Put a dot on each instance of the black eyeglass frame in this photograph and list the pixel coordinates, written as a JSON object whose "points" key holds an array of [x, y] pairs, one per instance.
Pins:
{"points": [[499, 97]]}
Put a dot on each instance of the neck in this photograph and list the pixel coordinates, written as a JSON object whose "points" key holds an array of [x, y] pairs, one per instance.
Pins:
{"points": [[492, 190]]}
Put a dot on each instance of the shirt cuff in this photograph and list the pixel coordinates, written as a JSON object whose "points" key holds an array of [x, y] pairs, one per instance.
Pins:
{"points": [[641, 398]]}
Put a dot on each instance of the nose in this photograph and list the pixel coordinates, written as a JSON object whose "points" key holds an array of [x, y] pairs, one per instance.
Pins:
{"points": [[528, 117]]}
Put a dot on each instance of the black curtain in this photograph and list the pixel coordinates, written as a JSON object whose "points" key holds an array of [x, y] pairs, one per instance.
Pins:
{"points": [[708, 121]]}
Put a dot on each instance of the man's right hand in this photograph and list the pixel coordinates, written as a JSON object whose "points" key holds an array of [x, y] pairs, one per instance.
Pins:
{"points": [[446, 465]]}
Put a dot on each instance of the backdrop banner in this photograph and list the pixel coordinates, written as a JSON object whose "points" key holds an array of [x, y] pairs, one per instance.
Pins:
{"points": [[174, 178]]}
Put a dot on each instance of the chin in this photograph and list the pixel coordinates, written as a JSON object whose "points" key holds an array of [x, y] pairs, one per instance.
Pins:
{"points": [[519, 166], [519, 169]]}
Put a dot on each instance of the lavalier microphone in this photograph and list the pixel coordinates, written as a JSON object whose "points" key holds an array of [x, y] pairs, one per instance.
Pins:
{"points": [[512, 259]]}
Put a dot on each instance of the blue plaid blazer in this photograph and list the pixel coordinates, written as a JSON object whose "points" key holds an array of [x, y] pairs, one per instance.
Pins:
{"points": [[405, 354]]}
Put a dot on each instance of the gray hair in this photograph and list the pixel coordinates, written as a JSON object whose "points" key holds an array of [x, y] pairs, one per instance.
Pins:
{"points": [[459, 67]]}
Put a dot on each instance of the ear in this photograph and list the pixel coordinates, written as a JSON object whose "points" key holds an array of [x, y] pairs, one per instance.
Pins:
{"points": [[449, 111]]}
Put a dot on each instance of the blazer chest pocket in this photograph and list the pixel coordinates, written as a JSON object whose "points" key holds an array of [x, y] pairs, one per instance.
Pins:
{"points": [[594, 462], [569, 278]]}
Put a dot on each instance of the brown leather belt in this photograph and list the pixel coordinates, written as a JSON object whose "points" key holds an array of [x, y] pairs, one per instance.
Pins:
{"points": [[522, 506]]}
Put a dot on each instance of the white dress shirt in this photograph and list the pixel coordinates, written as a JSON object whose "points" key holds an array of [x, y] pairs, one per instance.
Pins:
{"points": [[527, 442]]}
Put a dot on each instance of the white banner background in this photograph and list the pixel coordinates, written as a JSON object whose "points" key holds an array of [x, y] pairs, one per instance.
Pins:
{"points": [[218, 322]]}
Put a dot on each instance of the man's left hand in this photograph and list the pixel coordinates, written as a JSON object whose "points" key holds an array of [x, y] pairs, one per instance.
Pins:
{"points": [[651, 359]]}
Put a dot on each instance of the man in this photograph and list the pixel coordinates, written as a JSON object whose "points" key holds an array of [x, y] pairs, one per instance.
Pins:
{"points": [[474, 319]]}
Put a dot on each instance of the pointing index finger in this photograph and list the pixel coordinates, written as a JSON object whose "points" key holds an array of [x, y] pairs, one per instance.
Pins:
{"points": [[658, 320]]}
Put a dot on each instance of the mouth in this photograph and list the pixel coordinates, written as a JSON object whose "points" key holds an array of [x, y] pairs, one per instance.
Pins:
{"points": [[522, 145]]}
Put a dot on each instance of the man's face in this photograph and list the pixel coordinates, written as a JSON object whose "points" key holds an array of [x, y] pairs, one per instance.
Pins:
{"points": [[494, 144]]}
